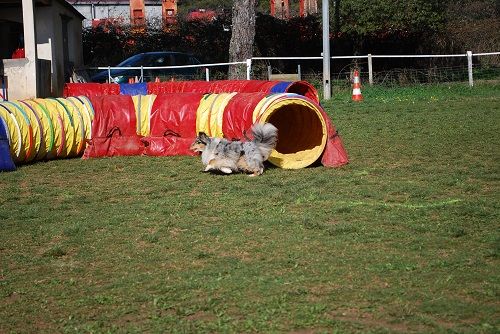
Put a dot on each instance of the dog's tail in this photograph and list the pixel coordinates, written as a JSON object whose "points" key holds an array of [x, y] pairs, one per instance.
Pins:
{"points": [[265, 136]]}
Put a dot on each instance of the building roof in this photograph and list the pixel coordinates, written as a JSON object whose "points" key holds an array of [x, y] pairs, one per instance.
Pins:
{"points": [[18, 3], [111, 2], [71, 8]]}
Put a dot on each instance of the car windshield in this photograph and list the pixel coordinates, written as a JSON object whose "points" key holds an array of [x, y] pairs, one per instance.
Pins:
{"points": [[159, 59], [132, 61]]}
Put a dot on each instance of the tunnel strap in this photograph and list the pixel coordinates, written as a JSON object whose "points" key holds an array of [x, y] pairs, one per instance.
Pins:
{"points": [[40, 127], [86, 101], [79, 148], [51, 125], [31, 142], [65, 110], [87, 114]]}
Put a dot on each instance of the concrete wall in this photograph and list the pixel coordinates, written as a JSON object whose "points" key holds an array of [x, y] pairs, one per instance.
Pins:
{"points": [[14, 72], [15, 76]]}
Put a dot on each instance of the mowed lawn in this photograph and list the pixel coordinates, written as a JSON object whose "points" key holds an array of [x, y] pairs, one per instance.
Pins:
{"points": [[406, 238]]}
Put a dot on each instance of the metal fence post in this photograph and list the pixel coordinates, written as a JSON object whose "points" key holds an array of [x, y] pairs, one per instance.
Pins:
{"points": [[299, 72], [249, 68], [207, 74], [109, 74], [325, 13], [370, 69], [469, 68], [269, 72]]}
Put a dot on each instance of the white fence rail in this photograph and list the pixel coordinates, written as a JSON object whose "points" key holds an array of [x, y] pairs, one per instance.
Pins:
{"points": [[370, 58], [142, 68], [248, 63]]}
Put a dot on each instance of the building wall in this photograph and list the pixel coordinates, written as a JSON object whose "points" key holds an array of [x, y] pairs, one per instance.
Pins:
{"points": [[102, 11], [14, 70], [15, 74], [49, 40]]}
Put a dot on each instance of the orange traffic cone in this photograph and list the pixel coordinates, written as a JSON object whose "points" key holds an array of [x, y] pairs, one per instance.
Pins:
{"points": [[356, 88], [157, 79], [130, 80], [136, 79]]}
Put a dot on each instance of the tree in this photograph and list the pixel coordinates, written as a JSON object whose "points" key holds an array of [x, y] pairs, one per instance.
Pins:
{"points": [[473, 25], [242, 36], [384, 16]]}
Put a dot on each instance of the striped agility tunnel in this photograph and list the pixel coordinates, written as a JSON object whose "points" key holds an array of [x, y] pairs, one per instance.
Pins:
{"points": [[218, 86], [42, 129], [165, 124]]}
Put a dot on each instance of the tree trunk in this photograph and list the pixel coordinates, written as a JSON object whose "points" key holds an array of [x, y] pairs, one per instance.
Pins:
{"points": [[242, 37]]}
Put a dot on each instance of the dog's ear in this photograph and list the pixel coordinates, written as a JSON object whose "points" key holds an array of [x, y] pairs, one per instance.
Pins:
{"points": [[202, 136]]}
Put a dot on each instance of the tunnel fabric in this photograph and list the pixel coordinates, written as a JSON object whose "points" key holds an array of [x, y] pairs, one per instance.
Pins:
{"points": [[139, 88], [6, 163], [167, 124], [217, 86], [173, 124], [114, 130], [177, 118]]}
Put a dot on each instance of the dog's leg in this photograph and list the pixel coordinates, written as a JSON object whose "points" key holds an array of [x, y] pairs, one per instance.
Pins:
{"points": [[226, 170], [256, 172]]}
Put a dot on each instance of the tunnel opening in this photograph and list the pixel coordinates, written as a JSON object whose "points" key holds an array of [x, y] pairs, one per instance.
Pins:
{"points": [[302, 132]]}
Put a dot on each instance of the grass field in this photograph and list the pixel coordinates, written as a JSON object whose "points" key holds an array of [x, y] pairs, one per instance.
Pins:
{"points": [[406, 238]]}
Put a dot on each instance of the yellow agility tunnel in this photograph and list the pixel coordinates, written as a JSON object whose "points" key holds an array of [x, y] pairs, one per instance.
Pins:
{"points": [[302, 129], [42, 129]]}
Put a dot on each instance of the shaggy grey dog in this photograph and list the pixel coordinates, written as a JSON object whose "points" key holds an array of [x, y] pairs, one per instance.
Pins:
{"points": [[219, 154]]}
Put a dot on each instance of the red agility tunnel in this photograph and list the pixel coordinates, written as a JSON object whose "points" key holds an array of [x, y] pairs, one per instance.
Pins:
{"points": [[172, 124], [114, 128], [219, 86], [166, 124], [242, 86], [90, 89]]}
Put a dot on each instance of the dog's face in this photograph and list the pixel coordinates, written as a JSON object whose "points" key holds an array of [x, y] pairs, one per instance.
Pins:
{"points": [[200, 143]]}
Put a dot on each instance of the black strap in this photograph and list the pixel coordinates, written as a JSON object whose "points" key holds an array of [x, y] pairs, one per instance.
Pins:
{"points": [[335, 134], [245, 135], [113, 130], [169, 132]]}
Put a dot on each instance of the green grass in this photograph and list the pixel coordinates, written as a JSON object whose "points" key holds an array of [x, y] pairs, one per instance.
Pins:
{"points": [[403, 239]]}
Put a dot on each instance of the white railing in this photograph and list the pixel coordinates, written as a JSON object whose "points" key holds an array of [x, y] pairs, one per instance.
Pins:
{"points": [[248, 63], [370, 57]]}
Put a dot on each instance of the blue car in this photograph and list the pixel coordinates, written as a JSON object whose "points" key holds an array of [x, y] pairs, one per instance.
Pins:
{"points": [[153, 59]]}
